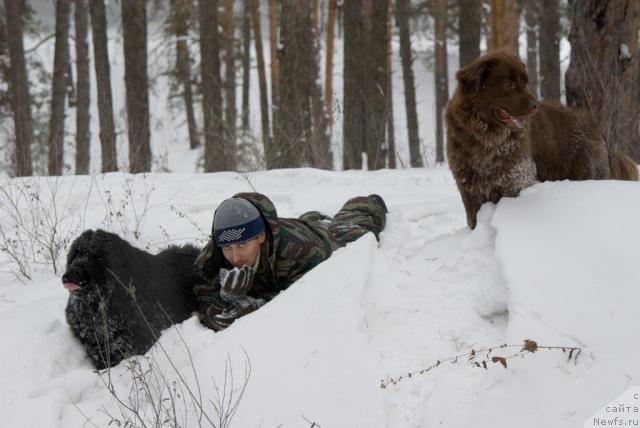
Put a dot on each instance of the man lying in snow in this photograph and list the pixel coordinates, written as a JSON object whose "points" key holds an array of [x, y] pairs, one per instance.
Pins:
{"points": [[253, 254]]}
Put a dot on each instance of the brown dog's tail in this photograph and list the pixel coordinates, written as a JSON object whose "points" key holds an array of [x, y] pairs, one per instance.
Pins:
{"points": [[622, 167]]}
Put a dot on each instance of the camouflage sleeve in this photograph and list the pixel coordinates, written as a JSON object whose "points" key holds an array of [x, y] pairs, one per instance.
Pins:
{"points": [[358, 216], [301, 249], [209, 303], [238, 309]]}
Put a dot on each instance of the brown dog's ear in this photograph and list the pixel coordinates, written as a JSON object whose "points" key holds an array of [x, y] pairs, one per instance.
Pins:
{"points": [[473, 76]]}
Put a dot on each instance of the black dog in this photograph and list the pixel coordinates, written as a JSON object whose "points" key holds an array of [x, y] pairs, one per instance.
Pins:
{"points": [[121, 298]]}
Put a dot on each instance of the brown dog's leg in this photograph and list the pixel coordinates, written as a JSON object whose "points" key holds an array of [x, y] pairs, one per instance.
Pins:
{"points": [[471, 206]]}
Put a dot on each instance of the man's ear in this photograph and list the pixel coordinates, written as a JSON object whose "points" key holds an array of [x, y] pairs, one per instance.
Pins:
{"points": [[473, 76], [262, 237]]}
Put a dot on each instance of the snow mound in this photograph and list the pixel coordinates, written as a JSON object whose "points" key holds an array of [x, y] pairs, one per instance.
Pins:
{"points": [[558, 265]]}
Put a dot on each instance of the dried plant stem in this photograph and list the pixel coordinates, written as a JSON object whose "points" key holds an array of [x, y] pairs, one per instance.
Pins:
{"points": [[480, 357]]}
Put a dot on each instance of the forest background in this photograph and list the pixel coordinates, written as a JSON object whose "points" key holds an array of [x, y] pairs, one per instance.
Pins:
{"points": [[94, 86]]}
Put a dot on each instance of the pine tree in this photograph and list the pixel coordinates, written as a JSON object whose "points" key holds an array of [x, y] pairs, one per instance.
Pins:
{"points": [[246, 56], [134, 31], [328, 76], [216, 157], [18, 87], [354, 79], [409, 85], [550, 50], [103, 82], [441, 75], [230, 77], [600, 74], [469, 26], [273, 52], [504, 26], [59, 88], [179, 27], [388, 95], [376, 74], [262, 81], [83, 97], [531, 20]]}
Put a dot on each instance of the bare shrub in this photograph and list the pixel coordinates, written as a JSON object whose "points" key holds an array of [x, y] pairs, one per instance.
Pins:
{"points": [[481, 358], [161, 396], [126, 214], [38, 224], [39, 221]]}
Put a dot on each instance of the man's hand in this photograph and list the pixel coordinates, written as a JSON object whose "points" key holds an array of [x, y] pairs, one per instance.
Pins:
{"points": [[235, 283], [242, 307]]}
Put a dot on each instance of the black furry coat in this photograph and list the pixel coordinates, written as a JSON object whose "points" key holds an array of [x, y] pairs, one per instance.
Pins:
{"points": [[121, 297]]}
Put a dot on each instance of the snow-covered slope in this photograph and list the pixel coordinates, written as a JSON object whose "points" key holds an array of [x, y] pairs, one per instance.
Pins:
{"points": [[558, 265]]}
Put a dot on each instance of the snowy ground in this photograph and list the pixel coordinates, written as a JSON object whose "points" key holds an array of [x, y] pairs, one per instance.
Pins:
{"points": [[558, 265]]}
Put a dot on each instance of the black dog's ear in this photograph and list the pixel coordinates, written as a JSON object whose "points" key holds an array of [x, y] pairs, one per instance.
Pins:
{"points": [[473, 76]]}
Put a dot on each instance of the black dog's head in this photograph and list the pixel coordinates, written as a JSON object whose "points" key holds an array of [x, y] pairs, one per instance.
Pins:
{"points": [[87, 261]]}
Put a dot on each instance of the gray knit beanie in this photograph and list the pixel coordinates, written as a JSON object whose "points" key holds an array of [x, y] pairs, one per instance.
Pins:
{"points": [[236, 220]]}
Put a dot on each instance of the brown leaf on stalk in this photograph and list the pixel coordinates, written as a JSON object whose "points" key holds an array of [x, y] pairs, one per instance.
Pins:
{"points": [[500, 360], [530, 346]]}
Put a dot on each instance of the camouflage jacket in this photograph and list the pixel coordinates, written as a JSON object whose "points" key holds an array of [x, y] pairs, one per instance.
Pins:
{"points": [[292, 248]]}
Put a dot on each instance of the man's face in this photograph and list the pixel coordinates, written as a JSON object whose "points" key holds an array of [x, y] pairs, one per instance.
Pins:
{"points": [[240, 255]]}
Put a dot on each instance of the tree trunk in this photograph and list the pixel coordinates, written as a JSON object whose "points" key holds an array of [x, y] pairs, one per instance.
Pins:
{"points": [[69, 85], [83, 98], [469, 28], [376, 75], [354, 115], [314, 16], [550, 50], [230, 76], [321, 156], [246, 56], [262, 81], [292, 120], [601, 66], [273, 53], [328, 76], [531, 20], [59, 87], [18, 87], [441, 76], [409, 84], [504, 26], [388, 96], [180, 13], [216, 156], [103, 82], [134, 32], [340, 19]]}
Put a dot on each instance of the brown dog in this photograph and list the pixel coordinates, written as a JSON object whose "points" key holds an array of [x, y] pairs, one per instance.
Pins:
{"points": [[623, 167], [500, 140], [488, 150]]}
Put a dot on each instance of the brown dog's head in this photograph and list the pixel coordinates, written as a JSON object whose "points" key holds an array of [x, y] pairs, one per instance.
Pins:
{"points": [[494, 86]]}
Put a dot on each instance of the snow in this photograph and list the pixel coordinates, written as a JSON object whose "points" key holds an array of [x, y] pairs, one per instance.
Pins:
{"points": [[557, 265]]}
